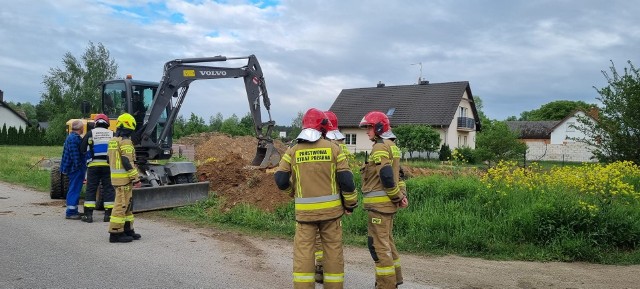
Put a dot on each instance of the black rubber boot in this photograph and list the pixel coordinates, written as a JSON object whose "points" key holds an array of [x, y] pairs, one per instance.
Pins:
{"points": [[319, 276], [131, 233], [119, 238], [88, 215], [107, 215]]}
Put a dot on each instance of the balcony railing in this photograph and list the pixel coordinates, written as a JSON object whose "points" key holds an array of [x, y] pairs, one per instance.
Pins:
{"points": [[466, 123]]}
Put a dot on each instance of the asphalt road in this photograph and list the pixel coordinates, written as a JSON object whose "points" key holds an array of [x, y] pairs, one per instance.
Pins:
{"points": [[41, 249]]}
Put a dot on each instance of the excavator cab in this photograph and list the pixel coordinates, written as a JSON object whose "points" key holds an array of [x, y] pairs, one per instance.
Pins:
{"points": [[135, 97]]}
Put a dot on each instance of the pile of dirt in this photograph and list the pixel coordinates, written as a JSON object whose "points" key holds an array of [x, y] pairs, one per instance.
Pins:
{"points": [[225, 162]]}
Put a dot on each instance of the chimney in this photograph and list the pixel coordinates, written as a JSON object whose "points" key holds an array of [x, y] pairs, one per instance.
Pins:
{"points": [[380, 84], [423, 82], [1, 96]]}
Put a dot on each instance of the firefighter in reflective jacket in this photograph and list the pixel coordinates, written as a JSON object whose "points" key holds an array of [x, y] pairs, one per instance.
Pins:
{"points": [[95, 143], [382, 197], [334, 133], [335, 136], [316, 172], [402, 176], [124, 176]]}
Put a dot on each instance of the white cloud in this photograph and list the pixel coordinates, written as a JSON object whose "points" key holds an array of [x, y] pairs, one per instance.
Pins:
{"points": [[516, 55]]}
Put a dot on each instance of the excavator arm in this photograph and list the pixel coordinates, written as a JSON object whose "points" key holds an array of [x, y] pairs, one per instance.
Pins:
{"points": [[178, 75]]}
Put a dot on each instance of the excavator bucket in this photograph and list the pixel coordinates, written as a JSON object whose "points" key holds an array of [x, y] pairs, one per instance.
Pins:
{"points": [[171, 196], [266, 157]]}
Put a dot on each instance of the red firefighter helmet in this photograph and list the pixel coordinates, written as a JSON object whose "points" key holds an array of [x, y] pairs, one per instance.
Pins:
{"points": [[101, 119], [315, 119], [378, 120], [333, 120]]}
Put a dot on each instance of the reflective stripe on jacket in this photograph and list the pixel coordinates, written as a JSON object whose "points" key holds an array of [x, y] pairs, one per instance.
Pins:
{"points": [[313, 168], [376, 196], [99, 144], [119, 148]]}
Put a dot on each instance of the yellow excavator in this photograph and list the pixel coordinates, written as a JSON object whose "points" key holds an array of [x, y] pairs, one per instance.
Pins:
{"points": [[155, 107]]}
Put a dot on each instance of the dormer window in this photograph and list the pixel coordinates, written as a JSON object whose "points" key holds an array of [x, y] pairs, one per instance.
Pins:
{"points": [[391, 111]]}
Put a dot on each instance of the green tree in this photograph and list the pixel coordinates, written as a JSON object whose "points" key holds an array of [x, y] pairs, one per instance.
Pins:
{"points": [[216, 122], [231, 126], [77, 81], [28, 109], [195, 125], [497, 142], [480, 109], [616, 133], [403, 134], [20, 136], [42, 113], [417, 138], [296, 125], [246, 125], [426, 138], [179, 127], [12, 136], [555, 110], [4, 138], [445, 153]]}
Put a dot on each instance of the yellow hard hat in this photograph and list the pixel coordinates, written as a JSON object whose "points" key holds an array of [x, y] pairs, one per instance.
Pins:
{"points": [[127, 121]]}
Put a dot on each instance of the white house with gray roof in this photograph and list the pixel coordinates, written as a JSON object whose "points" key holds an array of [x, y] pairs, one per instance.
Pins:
{"points": [[554, 140], [449, 108], [10, 117]]}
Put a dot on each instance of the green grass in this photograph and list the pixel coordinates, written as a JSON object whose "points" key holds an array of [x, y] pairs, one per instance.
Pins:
{"points": [[457, 215], [21, 165], [550, 164], [447, 215], [429, 164]]}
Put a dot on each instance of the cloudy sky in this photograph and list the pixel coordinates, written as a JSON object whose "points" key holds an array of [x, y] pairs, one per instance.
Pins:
{"points": [[516, 55]]}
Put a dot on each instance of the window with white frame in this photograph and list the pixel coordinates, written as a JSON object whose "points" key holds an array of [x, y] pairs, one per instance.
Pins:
{"points": [[463, 111], [350, 139]]}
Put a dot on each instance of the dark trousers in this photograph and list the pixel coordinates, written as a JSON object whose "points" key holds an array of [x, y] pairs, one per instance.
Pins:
{"points": [[97, 175]]}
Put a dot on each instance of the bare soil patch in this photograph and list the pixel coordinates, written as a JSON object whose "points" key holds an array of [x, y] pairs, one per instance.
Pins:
{"points": [[225, 162]]}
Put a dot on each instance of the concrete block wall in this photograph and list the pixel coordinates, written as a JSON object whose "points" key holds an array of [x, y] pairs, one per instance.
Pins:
{"points": [[186, 151], [570, 152]]}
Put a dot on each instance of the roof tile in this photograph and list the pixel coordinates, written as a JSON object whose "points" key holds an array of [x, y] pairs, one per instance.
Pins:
{"points": [[433, 104]]}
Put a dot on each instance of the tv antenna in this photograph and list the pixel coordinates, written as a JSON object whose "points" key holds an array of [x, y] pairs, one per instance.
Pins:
{"points": [[420, 77]]}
